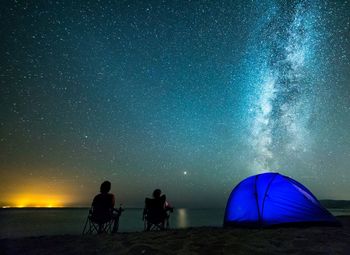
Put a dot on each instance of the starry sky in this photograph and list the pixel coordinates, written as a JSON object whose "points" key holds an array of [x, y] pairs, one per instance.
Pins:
{"points": [[187, 96]]}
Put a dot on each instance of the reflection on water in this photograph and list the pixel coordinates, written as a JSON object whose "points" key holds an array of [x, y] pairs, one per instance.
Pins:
{"points": [[182, 218], [34, 222], [57, 221]]}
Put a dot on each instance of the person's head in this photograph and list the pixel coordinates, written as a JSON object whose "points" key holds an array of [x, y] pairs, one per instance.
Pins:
{"points": [[105, 187], [157, 193]]}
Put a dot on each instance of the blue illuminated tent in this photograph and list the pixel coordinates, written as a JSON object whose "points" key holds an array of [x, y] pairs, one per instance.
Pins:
{"points": [[271, 199]]}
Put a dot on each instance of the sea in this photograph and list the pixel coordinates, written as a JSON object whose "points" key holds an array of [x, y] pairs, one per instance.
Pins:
{"points": [[24, 222]]}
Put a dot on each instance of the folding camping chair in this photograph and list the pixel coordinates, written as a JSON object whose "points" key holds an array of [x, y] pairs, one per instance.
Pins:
{"points": [[155, 215], [108, 223]]}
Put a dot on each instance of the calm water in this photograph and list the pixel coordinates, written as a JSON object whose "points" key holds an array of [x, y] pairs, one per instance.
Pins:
{"points": [[34, 222]]}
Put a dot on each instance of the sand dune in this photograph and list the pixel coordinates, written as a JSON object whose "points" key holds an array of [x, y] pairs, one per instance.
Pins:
{"points": [[205, 240]]}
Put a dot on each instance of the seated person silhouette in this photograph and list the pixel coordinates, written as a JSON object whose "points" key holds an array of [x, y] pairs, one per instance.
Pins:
{"points": [[156, 211], [103, 208]]}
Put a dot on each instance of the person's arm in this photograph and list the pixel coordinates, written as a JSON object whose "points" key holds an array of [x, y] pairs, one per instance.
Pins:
{"points": [[169, 207], [163, 199], [112, 201]]}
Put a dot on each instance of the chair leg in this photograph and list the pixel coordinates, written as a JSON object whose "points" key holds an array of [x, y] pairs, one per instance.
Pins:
{"points": [[91, 227], [107, 227], [94, 228], [86, 222], [167, 224], [88, 227], [115, 224]]}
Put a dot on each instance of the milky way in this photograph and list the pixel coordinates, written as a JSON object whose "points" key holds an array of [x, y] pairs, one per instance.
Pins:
{"points": [[284, 89]]}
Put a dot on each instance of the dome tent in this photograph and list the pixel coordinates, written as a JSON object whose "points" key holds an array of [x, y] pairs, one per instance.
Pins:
{"points": [[271, 199]]}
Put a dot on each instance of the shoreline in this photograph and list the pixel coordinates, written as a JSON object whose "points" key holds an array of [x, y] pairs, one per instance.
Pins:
{"points": [[197, 240]]}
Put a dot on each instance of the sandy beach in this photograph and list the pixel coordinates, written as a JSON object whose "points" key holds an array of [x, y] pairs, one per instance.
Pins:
{"points": [[204, 240]]}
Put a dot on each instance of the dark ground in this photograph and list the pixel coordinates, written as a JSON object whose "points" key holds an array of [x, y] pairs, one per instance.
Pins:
{"points": [[205, 240]]}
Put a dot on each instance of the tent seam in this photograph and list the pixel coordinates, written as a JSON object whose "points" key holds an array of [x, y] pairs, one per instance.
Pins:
{"points": [[267, 189], [319, 204], [256, 199]]}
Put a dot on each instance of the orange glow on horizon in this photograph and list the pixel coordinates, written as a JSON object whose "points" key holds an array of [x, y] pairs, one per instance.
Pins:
{"points": [[42, 192], [37, 206], [37, 200]]}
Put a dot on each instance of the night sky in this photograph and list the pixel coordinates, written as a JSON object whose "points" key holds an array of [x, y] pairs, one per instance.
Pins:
{"points": [[187, 96]]}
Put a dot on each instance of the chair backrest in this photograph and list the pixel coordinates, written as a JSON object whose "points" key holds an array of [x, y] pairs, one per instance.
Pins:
{"points": [[102, 207], [154, 208]]}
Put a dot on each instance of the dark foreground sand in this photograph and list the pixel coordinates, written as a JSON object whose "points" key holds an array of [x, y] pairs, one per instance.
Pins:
{"points": [[205, 240]]}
